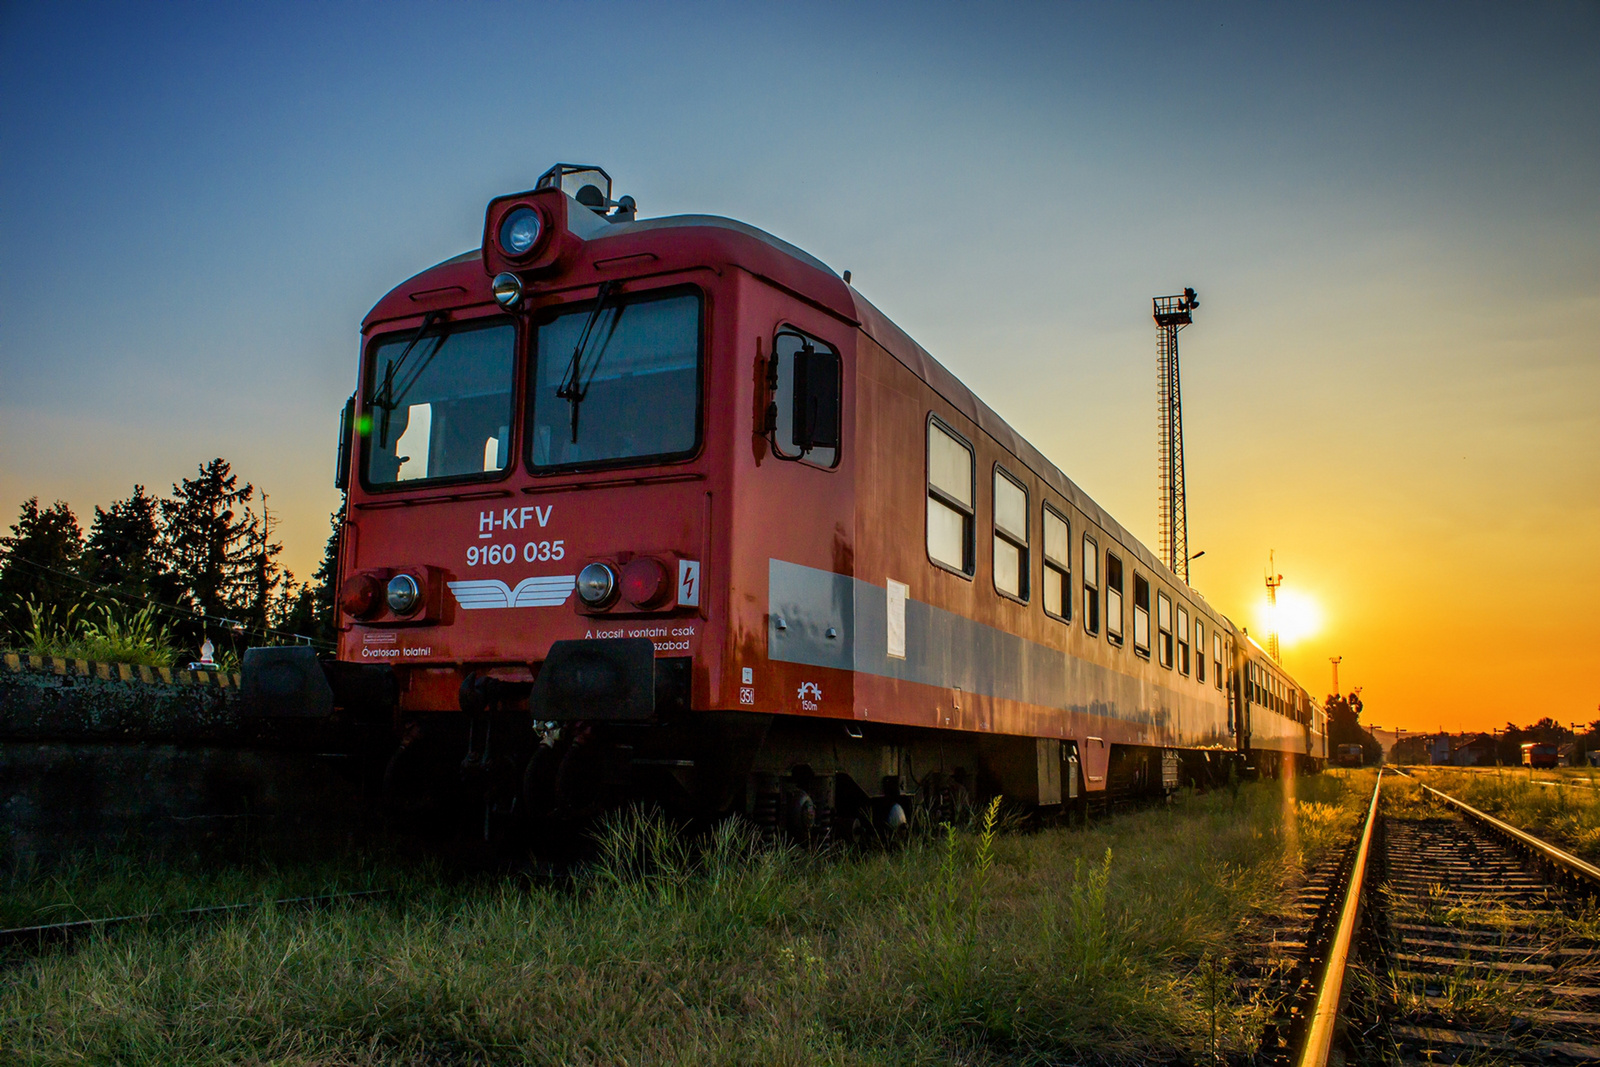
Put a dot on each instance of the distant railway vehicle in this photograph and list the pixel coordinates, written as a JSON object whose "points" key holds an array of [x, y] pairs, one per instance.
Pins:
{"points": [[1350, 756], [664, 508], [1538, 754]]}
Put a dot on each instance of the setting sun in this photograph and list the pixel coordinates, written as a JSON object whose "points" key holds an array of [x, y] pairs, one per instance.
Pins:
{"points": [[1297, 617]]}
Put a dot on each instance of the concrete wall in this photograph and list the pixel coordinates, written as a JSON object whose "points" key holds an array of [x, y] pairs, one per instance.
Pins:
{"points": [[164, 771]]}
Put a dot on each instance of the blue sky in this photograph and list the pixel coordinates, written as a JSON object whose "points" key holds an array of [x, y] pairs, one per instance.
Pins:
{"points": [[1390, 212]]}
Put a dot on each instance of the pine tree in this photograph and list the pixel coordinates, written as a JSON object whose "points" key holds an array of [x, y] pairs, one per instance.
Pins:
{"points": [[327, 579], [295, 609], [37, 561], [125, 549], [208, 535], [262, 574]]}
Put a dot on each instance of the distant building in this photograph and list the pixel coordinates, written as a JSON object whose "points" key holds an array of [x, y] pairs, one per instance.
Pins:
{"points": [[1475, 752], [1439, 749]]}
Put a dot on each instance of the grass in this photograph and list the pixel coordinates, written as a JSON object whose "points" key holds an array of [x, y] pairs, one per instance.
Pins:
{"points": [[100, 886], [966, 946], [101, 635], [1566, 813]]}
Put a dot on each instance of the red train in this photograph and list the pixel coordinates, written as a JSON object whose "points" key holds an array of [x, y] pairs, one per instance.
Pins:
{"points": [[664, 508]]}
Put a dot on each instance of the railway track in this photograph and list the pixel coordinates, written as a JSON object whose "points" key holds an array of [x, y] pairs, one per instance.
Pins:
{"points": [[1460, 939], [24, 939]]}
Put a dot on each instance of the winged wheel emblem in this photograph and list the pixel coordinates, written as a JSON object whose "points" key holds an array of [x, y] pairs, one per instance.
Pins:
{"points": [[547, 591]]}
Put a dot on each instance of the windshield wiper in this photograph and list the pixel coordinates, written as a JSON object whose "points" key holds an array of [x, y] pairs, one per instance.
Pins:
{"points": [[574, 387], [383, 397]]}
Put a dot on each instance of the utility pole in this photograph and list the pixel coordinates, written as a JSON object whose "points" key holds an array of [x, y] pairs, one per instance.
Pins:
{"points": [[1273, 581], [1172, 313], [1335, 660]]}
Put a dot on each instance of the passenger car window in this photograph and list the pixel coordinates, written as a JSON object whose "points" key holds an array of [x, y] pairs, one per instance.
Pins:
{"points": [[1164, 630], [1141, 614], [805, 377], [1057, 565], [950, 493], [1091, 586], [1113, 599], [1199, 651], [439, 405], [1010, 536], [1183, 641], [1216, 659]]}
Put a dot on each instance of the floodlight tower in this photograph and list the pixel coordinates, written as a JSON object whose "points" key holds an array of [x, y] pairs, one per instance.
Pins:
{"points": [[1172, 313], [1273, 581]]}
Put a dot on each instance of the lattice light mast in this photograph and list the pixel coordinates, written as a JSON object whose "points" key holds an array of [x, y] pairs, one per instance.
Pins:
{"points": [[1274, 580], [1172, 313]]}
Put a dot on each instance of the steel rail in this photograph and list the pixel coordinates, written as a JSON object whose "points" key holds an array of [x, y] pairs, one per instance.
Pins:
{"points": [[1566, 861], [1325, 1014], [52, 932]]}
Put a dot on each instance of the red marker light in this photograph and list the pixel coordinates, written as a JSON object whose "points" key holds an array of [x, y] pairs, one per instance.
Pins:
{"points": [[358, 596], [644, 582]]}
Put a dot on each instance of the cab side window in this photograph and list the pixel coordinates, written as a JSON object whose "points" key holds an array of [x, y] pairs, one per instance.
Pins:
{"points": [[950, 495], [804, 416]]}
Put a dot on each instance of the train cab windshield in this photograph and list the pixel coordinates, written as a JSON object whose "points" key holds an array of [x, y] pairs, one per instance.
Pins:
{"points": [[440, 404], [618, 385]]}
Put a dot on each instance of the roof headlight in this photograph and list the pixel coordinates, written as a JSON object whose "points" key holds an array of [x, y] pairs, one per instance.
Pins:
{"points": [[596, 584], [507, 290], [403, 594], [519, 231]]}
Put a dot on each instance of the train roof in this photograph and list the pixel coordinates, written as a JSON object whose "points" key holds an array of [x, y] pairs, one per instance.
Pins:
{"points": [[807, 276]]}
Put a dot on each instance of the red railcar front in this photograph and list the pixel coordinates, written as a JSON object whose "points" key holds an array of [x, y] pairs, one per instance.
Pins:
{"points": [[538, 461]]}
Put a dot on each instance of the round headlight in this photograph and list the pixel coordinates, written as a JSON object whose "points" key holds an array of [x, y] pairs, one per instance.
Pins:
{"points": [[519, 231], [596, 583], [507, 290], [403, 594]]}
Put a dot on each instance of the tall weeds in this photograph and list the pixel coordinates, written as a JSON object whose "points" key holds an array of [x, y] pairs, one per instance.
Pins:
{"points": [[101, 634], [958, 893]]}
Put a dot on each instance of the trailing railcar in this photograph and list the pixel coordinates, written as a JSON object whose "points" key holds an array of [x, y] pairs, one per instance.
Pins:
{"points": [[664, 508], [1282, 728]]}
